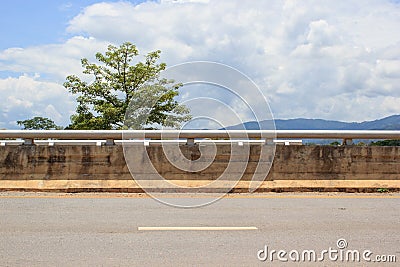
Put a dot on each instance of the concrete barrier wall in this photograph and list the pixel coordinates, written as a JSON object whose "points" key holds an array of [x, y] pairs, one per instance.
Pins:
{"points": [[77, 168]]}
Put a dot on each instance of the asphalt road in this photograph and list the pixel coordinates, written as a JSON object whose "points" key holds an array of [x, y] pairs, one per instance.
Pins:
{"points": [[103, 230]]}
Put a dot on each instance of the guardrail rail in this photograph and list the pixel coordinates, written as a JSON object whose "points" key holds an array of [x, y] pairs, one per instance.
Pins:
{"points": [[112, 137]]}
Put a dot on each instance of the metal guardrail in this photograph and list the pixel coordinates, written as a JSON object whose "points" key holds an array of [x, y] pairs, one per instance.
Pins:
{"points": [[157, 134], [190, 135]]}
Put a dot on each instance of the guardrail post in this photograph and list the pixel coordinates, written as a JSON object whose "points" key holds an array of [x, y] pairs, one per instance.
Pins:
{"points": [[28, 141], [269, 141], [110, 142], [190, 141], [347, 142]]}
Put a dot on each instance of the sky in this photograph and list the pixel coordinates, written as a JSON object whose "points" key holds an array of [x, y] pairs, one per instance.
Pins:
{"points": [[336, 60]]}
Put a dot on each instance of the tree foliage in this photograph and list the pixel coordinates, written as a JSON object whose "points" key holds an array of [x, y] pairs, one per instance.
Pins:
{"points": [[386, 143], [39, 123], [119, 80]]}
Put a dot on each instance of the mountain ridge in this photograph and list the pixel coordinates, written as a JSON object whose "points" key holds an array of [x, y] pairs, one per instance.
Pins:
{"points": [[387, 123]]}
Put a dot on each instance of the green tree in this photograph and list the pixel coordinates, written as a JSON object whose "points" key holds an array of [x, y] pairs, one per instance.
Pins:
{"points": [[335, 143], [117, 83], [39, 123], [386, 143]]}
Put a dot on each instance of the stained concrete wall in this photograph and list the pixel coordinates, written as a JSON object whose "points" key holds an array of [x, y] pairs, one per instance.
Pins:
{"points": [[88, 168]]}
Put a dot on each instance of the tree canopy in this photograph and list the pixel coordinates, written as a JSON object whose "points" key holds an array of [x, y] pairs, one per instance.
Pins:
{"points": [[386, 143], [117, 82], [38, 123]]}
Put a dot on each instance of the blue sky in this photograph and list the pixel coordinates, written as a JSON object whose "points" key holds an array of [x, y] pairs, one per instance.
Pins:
{"points": [[335, 60], [34, 22]]}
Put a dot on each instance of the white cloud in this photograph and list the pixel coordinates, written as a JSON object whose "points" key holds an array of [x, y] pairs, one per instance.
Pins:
{"points": [[330, 59], [388, 68], [25, 97], [54, 60]]}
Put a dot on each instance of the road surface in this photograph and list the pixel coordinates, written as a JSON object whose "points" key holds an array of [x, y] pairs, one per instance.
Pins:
{"points": [[113, 230]]}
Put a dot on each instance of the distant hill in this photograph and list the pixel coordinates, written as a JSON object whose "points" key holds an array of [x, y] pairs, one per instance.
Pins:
{"points": [[388, 123]]}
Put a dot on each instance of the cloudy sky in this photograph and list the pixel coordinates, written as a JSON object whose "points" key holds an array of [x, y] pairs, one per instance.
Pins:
{"points": [[313, 59]]}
